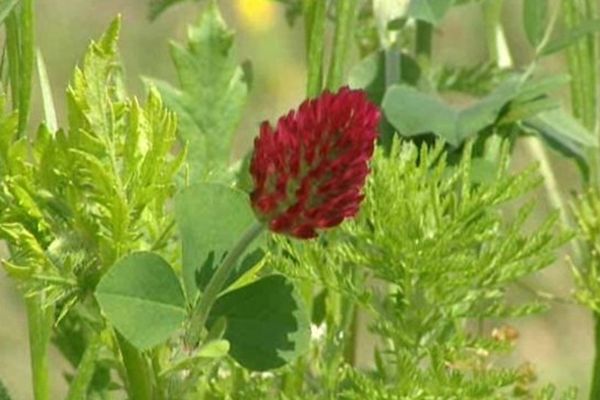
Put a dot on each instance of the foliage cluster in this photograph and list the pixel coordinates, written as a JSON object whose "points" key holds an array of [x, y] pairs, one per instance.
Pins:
{"points": [[118, 224]]}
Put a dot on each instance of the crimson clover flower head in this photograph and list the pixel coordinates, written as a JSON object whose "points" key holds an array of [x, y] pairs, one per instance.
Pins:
{"points": [[310, 169]]}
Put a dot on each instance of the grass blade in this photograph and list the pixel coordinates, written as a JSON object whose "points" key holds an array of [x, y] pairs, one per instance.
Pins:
{"points": [[48, 103]]}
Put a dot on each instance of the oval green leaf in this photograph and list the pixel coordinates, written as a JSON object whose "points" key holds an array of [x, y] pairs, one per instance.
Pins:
{"points": [[267, 323], [211, 219], [141, 296]]}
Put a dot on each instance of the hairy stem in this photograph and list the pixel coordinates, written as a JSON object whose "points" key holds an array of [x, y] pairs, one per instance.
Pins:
{"points": [[12, 53], [216, 283], [26, 61], [139, 378], [85, 370], [315, 18], [344, 23], [595, 386], [40, 322]]}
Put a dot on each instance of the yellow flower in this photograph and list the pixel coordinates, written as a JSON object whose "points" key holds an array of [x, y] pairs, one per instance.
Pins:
{"points": [[258, 15]]}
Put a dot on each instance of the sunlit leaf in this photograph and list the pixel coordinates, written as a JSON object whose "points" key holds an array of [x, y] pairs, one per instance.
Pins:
{"points": [[141, 296]]}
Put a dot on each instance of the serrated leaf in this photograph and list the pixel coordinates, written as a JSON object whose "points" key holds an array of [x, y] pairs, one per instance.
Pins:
{"points": [[431, 11], [535, 13], [95, 87], [141, 296], [212, 95], [267, 323], [211, 219]]}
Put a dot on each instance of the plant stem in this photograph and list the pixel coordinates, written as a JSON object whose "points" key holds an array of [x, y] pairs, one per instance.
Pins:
{"points": [[85, 370], [595, 387], [26, 61], [139, 381], [537, 150], [346, 13], [496, 41], [12, 53], [315, 18], [40, 322], [216, 283]]}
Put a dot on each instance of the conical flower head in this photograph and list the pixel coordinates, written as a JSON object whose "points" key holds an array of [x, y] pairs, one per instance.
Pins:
{"points": [[310, 169]]}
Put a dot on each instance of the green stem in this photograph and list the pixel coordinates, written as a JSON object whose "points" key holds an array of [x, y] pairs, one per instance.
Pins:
{"points": [[537, 150], [40, 322], [21, 58], [424, 39], [139, 378], [12, 52], [216, 283], [595, 388], [85, 370], [351, 326], [492, 11], [308, 10], [344, 23], [27, 62], [316, 45]]}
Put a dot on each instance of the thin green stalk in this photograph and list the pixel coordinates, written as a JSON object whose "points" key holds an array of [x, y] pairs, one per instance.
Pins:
{"points": [[26, 61], [85, 370], [350, 327], [39, 322], [344, 26], [308, 11], [502, 57], [569, 12], [583, 61], [537, 150], [423, 40], [496, 40], [12, 50], [21, 58], [139, 377], [216, 283], [595, 387], [316, 46]]}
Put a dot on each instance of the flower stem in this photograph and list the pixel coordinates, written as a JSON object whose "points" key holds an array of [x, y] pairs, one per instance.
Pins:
{"points": [[315, 17], [139, 382], [85, 370], [216, 283], [344, 23], [39, 321], [595, 385]]}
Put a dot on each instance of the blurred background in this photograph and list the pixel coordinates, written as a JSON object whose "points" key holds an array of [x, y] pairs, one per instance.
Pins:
{"points": [[558, 344]]}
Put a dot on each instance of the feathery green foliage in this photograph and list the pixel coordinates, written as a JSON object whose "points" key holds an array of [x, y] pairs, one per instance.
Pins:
{"points": [[212, 94], [430, 257], [75, 201]]}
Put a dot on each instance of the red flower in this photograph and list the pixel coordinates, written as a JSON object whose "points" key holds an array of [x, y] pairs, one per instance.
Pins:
{"points": [[310, 169]]}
